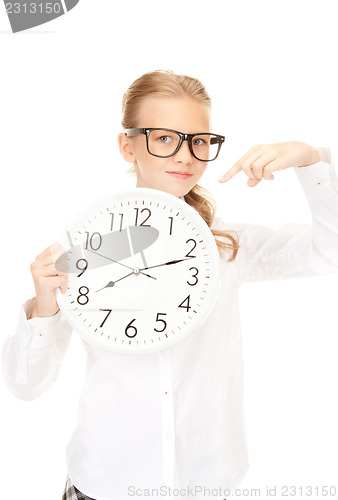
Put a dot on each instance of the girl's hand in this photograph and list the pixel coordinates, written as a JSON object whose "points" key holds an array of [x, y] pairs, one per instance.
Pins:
{"points": [[46, 279], [260, 161]]}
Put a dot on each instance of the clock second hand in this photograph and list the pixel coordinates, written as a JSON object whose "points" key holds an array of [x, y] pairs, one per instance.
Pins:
{"points": [[124, 265]]}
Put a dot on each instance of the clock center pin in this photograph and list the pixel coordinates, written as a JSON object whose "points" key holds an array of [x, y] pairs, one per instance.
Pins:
{"points": [[136, 271]]}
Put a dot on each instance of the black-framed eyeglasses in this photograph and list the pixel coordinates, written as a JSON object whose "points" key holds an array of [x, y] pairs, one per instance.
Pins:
{"points": [[164, 142]]}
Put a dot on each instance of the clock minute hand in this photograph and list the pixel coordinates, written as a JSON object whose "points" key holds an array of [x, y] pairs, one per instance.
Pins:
{"points": [[136, 271], [112, 283], [167, 263]]}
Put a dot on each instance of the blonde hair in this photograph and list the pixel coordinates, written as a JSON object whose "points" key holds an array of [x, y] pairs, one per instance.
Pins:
{"points": [[168, 84]]}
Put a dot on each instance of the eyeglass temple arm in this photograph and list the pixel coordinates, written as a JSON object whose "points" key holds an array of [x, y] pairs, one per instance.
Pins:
{"points": [[217, 140], [134, 131]]}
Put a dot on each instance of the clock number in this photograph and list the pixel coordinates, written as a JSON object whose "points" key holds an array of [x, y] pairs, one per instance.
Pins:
{"points": [[130, 328], [188, 306], [194, 246], [83, 269], [91, 241], [112, 221], [194, 276], [171, 225], [162, 321], [145, 220], [86, 299], [105, 319]]}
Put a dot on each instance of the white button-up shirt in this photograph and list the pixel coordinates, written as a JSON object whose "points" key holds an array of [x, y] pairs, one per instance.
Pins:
{"points": [[174, 419]]}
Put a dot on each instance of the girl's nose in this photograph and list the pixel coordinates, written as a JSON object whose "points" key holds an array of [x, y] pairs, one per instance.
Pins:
{"points": [[183, 155]]}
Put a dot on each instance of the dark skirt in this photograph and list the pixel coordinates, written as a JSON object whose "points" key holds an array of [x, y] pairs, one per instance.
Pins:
{"points": [[72, 493]]}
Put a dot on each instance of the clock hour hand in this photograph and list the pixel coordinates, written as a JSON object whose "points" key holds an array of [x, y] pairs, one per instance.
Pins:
{"points": [[167, 263]]}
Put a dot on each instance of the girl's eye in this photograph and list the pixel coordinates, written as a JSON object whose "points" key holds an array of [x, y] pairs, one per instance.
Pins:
{"points": [[165, 139], [198, 142]]}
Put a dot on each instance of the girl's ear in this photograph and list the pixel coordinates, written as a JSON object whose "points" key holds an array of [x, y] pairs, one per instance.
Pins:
{"points": [[126, 149]]}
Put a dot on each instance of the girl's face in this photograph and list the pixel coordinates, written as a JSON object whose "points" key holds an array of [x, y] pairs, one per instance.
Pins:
{"points": [[177, 113]]}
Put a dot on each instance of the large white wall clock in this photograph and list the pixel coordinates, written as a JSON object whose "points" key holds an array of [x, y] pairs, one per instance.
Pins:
{"points": [[143, 271]]}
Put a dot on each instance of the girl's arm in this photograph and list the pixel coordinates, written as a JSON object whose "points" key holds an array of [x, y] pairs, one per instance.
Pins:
{"points": [[261, 160], [31, 358], [294, 250]]}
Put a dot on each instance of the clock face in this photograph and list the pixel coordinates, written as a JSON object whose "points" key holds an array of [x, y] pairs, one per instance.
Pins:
{"points": [[143, 272]]}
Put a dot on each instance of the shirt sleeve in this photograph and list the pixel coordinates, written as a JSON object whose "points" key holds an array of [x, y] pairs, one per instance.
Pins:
{"points": [[32, 356], [294, 250]]}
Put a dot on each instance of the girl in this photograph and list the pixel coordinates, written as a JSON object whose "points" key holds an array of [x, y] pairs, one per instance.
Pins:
{"points": [[189, 437]]}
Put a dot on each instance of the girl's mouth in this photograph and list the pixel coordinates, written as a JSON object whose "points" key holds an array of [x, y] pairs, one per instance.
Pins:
{"points": [[180, 175]]}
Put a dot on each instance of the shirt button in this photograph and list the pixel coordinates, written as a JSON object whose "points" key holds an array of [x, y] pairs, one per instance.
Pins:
{"points": [[168, 435]]}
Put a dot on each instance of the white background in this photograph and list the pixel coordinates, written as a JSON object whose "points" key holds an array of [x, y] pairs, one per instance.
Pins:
{"points": [[271, 69]]}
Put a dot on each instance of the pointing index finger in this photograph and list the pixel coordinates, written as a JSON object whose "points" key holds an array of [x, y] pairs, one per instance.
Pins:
{"points": [[231, 173]]}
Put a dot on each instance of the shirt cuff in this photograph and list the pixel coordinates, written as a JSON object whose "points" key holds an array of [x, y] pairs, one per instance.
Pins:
{"points": [[325, 155], [319, 181], [36, 333]]}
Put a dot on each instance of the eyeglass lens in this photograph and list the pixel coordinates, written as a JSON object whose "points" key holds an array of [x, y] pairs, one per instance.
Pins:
{"points": [[164, 143]]}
